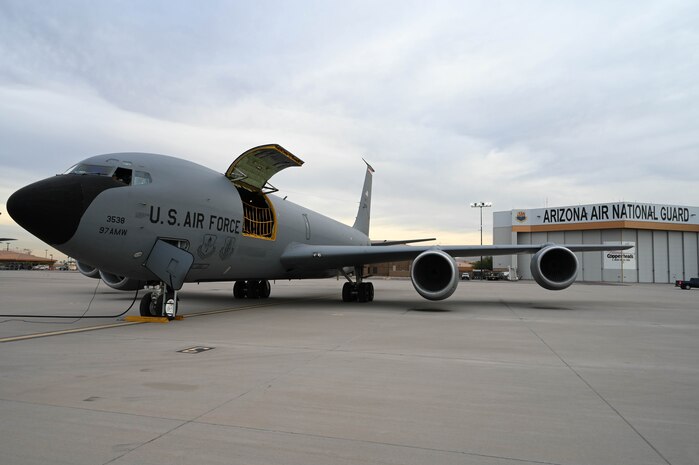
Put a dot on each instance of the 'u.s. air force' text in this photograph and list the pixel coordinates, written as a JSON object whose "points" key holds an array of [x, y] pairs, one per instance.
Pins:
{"points": [[194, 220]]}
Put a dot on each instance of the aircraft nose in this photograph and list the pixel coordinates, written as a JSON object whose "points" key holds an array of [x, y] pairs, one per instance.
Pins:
{"points": [[51, 209]]}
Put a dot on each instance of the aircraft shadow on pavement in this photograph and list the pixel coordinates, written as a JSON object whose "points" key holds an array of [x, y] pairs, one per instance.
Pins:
{"points": [[216, 299]]}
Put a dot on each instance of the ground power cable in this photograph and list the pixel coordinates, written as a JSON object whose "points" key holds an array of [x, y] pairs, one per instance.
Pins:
{"points": [[75, 318]]}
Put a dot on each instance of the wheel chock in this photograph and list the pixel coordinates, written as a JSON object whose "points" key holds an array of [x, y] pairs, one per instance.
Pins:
{"points": [[151, 319]]}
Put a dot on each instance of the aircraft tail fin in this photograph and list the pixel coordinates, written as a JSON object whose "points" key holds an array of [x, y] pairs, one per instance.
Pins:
{"points": [[361, 223]]}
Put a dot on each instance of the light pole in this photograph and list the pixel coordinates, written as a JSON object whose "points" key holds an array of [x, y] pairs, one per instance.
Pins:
{"points": [[481, 205]]}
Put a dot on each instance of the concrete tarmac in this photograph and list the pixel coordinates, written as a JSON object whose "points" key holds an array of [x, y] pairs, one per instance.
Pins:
{"points": [[501, 373]]}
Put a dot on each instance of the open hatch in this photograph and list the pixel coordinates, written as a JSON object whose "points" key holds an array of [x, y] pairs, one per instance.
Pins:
{"points": [[250, 173]]}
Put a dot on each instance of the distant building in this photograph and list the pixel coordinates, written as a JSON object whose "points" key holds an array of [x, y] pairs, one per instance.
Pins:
{"points": [[390, 269], [402, 269], [665, 239], [22, 261]]}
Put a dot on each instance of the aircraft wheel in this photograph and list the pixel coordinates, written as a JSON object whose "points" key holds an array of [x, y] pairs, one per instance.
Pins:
{"points": [[264, 288], [348, 292], [253, 289], [239, 289], [157, 307], [361, 293], [158, 310], [169, 296], [364, 292], [147, 305], [370, 291]]}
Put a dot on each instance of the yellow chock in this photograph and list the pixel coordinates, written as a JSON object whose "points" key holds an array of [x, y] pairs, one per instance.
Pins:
{"points": [[151, 319]]}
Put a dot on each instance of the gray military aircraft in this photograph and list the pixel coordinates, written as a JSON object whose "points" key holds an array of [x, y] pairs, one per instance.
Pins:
{"points": [[137, 219]]}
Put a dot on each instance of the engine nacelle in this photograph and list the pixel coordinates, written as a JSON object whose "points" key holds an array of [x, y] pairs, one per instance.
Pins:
{"points": [[435, 274], [89, 271], [554, 267], [120, 283]]}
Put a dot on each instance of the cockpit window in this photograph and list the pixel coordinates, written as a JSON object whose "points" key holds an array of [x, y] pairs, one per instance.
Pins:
{"points": [[141, 177], [121, 174], [83, 168]]}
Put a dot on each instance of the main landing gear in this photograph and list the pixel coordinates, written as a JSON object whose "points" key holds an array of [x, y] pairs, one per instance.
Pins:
{"points": [[161, 301], [252, 289], [357, 291]]}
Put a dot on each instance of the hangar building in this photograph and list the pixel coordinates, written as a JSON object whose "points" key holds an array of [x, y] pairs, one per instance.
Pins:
{"points": [[22, 261], [665, 239]]}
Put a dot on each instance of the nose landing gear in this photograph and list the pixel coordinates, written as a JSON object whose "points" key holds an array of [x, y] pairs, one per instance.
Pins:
{"points": [[161, 301]]}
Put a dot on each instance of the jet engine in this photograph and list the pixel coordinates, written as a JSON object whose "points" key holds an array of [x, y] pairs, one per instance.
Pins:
{"points": [[435, 274], [115, 282], [554, 267], [89, 271], [119, 282]]}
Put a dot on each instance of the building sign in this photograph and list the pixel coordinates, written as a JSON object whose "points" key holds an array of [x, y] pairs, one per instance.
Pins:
{"points": [[620, 259], [609, 212]]}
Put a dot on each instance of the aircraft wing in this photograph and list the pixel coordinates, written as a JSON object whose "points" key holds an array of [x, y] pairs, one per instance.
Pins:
{"points": [[402, 242], [338, 256]]}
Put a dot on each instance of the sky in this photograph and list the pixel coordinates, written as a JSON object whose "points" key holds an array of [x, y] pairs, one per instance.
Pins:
{"points": [[523, 104]]}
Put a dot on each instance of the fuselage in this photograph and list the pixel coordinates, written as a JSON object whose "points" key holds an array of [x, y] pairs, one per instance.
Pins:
{"points": [[127, 217], [195, 208]]}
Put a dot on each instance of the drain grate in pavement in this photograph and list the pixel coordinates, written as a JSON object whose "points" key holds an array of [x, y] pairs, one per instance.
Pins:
{"points": [[195, 350]]}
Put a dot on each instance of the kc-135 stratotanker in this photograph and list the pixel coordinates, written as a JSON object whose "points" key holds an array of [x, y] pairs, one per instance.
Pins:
{"points": [[137, 219]]}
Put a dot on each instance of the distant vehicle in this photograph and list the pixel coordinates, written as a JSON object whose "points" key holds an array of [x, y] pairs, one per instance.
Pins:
{"points": [[497, 275], [693, 282], [465, 276], [40, 267], [480, 274], [494, 276]]}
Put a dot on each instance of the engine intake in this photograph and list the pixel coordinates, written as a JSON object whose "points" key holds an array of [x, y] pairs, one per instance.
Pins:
{"points": [[435, 274], [120, 283], [89, 271], [554, 267]]}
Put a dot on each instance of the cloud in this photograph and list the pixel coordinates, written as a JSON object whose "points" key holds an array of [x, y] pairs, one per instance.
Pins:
{"points": [[520, 104]]}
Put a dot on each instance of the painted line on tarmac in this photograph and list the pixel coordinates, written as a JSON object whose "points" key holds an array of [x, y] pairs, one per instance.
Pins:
{"points": [[65, 331], [129, 323]]}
